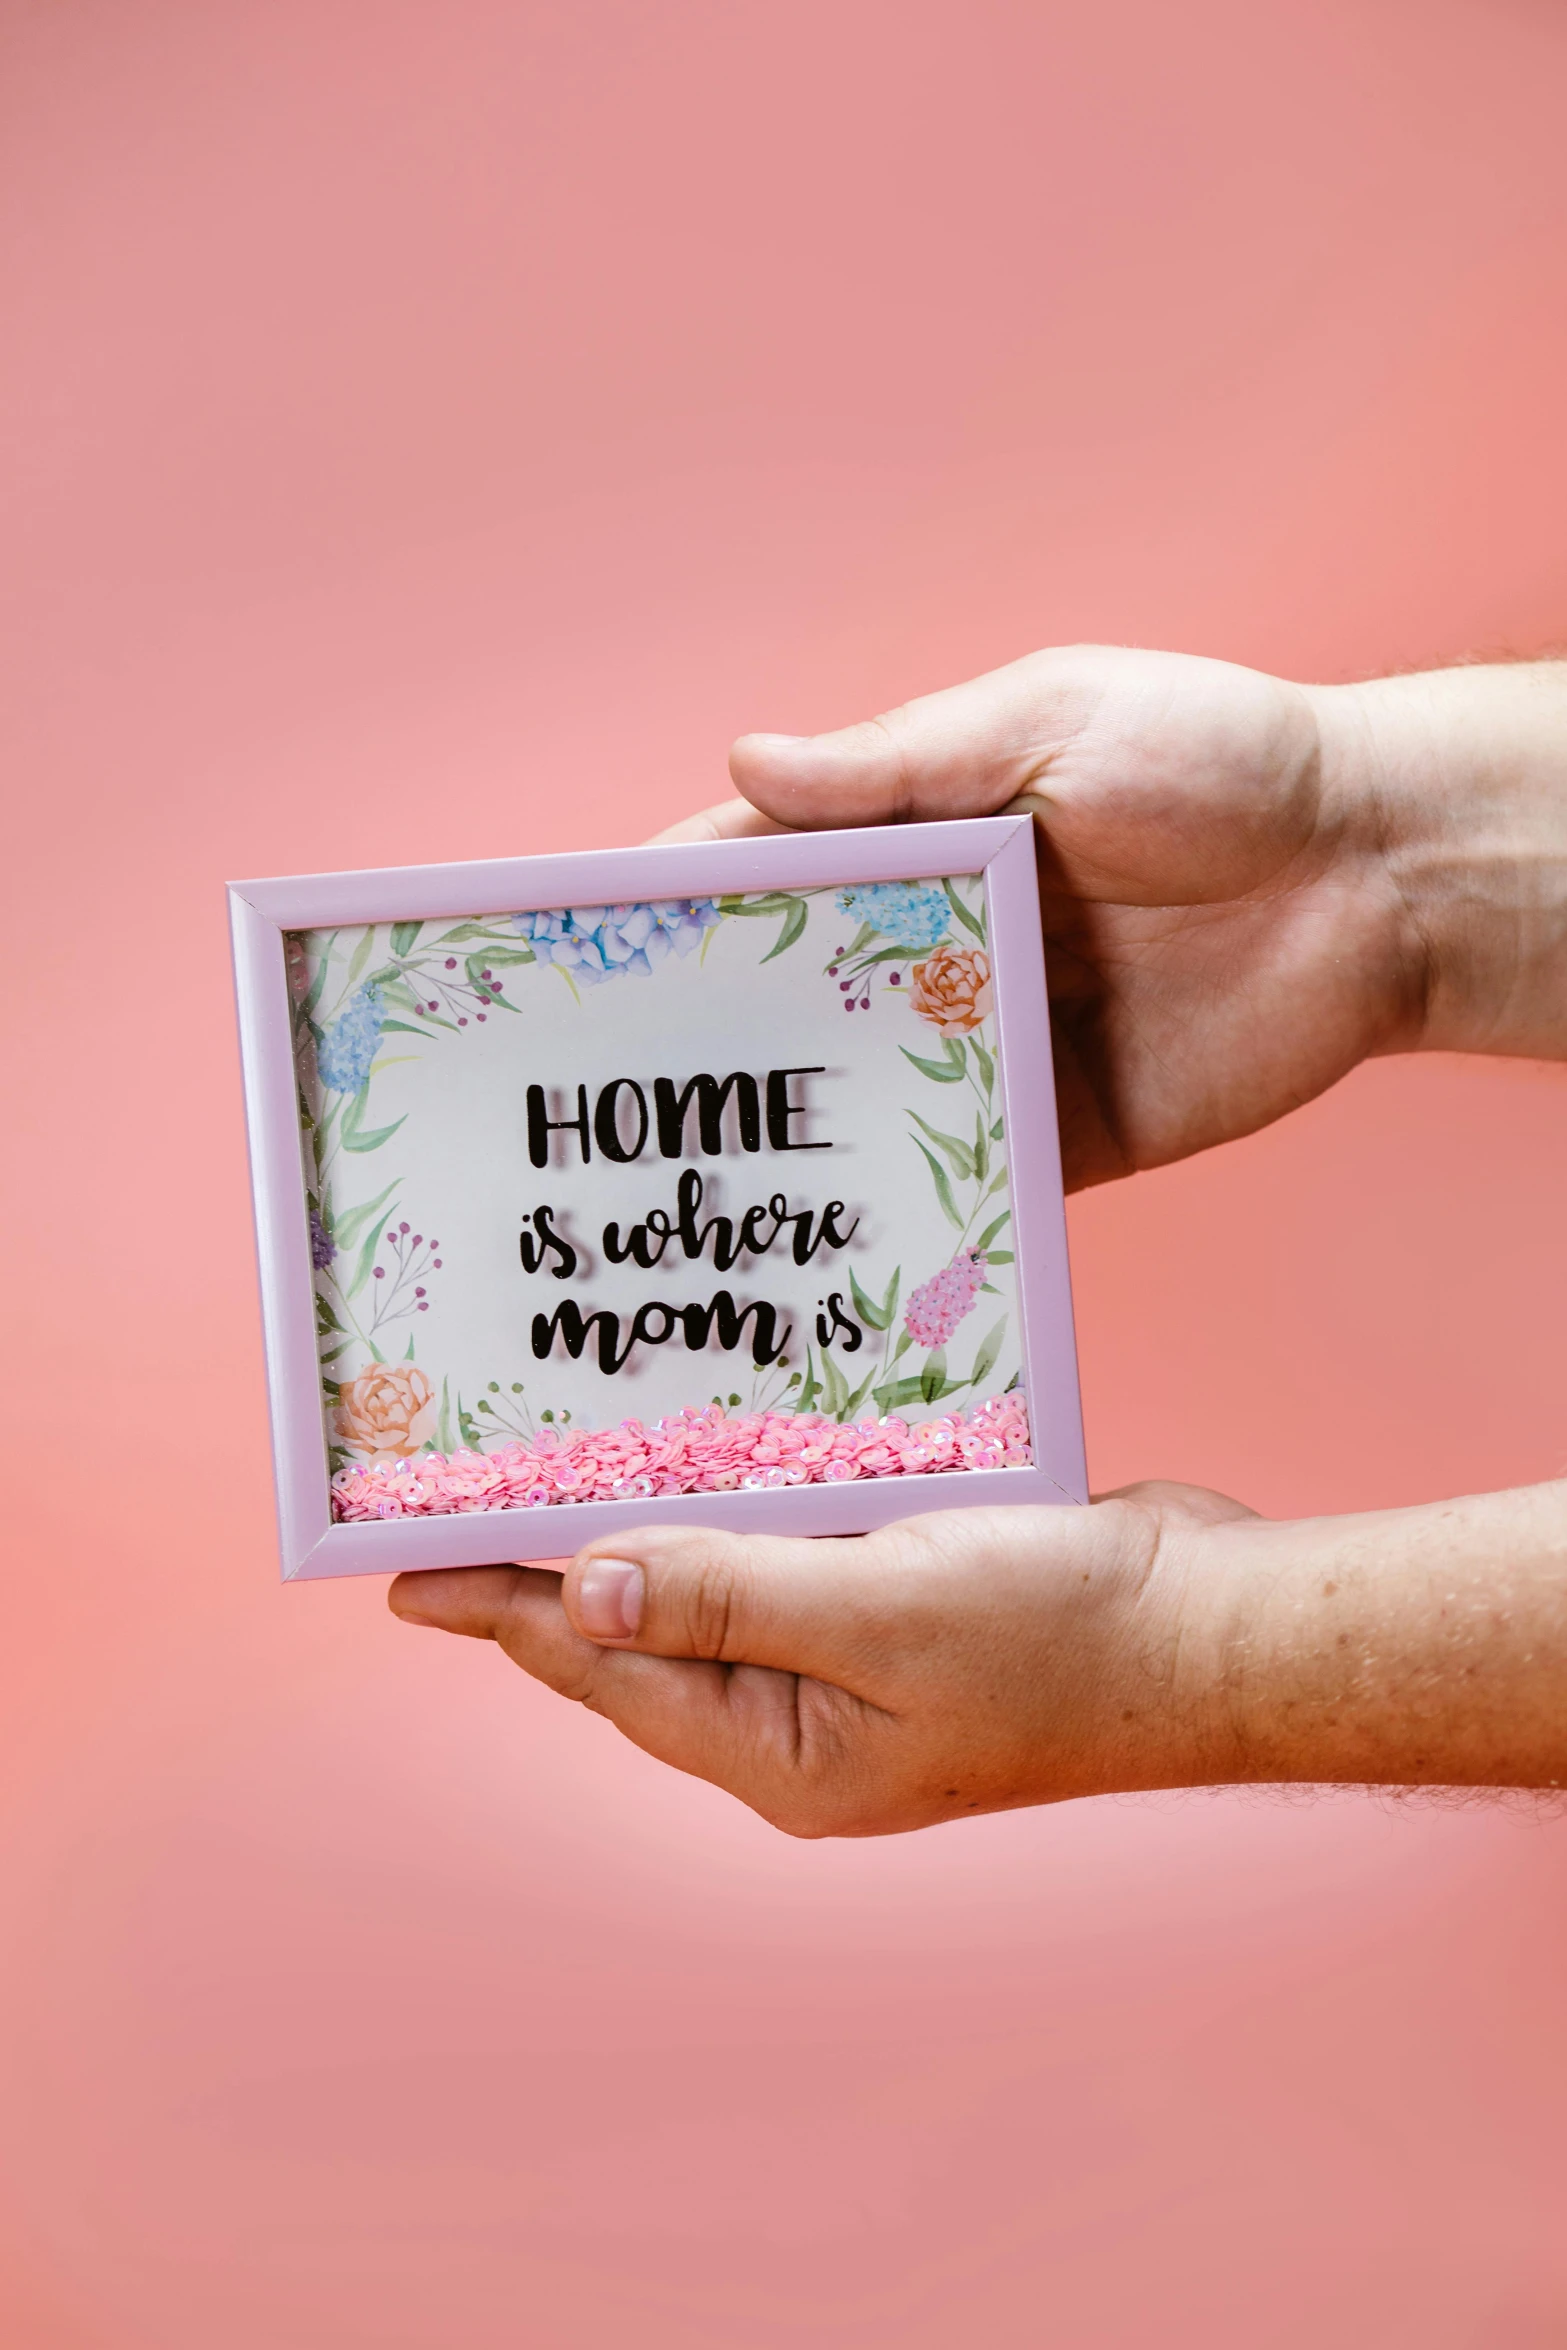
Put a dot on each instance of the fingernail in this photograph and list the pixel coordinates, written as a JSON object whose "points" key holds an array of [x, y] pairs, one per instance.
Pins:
{"points": [[609, 1599], [406, 1615], [780, 741]]}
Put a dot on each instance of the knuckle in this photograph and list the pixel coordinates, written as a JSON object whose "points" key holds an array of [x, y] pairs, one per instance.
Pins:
{"points": [[709, 1606], [916, 1548]]}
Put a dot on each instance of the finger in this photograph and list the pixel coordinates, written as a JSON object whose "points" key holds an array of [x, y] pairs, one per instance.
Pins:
{"points": [[816, 1607], [968, 751], [738, 1728], [730, 820], [470, 1600]]}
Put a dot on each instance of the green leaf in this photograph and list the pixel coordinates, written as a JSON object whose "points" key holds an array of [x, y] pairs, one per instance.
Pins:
{"points": [[995, 1131], [835, 1388], [772, 901], [345, 1229], [905, 1341], [397, 992], [933, 1379], [990, 1231], [463, 930], [894, 1392], [408, 1354], [361, 955], [878, 1316], [860, 941], [989, 1348], [942, 1073], [358, 1138], [981, 1149], [510, 955], [403, 1028], [961, 1157], [970, 922], [368, 1142], [949, 1206], [403, 936], [868, 1313], [987, 1067], [998, 1256], [366, 1259], [794, 925], [812, 1387], [859, 1395], [326, 1319], [998, 1182]]}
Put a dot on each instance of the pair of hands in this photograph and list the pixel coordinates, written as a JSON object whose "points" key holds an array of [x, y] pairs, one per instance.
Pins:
{"points": [[1247, 887]]}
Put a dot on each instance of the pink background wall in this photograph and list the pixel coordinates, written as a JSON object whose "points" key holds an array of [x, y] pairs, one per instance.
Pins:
{"points": [[431, 431]]}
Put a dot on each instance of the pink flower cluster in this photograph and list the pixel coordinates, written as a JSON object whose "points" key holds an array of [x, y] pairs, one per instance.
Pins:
{"points": [[938, 1305], [693, 1452]]}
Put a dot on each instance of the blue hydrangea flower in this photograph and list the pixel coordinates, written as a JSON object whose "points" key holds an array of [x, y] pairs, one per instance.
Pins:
{"points": [[348, 1047], [595, 943], [912, 914]]}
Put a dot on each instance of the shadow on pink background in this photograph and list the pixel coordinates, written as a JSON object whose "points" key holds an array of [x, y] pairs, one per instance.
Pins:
{"points": [[432, 432]]}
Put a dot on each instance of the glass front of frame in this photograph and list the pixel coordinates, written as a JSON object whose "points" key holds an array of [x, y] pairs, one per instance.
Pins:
{"points": [[686, 1196]]}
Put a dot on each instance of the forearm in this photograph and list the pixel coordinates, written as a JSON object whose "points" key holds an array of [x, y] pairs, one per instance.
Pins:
{"points": [[1461, 776], [1422, 1647]]}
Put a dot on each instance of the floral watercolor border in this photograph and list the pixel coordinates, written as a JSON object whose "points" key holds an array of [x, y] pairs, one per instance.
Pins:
{"points": [[923, 942]]}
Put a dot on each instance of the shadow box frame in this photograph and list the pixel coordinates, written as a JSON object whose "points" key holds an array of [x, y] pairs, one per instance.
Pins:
{"points": [[264, 912]]}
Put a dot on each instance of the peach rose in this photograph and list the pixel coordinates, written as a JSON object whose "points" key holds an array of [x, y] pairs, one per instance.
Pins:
{"points": [[951, 989], [387, 1412]]}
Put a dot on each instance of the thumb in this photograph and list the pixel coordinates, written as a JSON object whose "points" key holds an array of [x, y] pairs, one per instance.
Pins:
{"points": [[967, 751], [802, 1606]]}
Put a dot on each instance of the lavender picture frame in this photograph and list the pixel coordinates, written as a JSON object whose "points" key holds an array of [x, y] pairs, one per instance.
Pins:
{"points": [[265, 914]]}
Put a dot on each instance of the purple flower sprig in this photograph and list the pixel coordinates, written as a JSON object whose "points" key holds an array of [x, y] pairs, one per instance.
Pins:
{"points": [[856, 989], [468, 996], [404, 1280]]}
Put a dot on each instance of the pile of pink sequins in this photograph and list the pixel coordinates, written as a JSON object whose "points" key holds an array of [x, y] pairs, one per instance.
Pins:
{"points": [[692, 1452]]}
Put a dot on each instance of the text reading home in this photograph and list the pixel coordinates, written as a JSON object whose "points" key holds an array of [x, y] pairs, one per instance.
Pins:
{"points": [[684, 1119]]}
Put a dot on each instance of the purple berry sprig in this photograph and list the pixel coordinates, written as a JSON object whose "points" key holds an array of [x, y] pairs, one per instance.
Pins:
{"points": [[404, 1280]]}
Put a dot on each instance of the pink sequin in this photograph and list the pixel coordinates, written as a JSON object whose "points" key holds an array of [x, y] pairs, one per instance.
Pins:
{"points": [[692, 1452]]}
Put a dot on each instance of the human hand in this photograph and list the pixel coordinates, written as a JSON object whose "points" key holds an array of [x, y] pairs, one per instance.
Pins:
{"points": [[976, 1660], [966, 1661], [1248, 886]]}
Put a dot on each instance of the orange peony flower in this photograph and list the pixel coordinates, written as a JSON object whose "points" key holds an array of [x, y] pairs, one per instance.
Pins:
{"points": [[951, 989], [387, 1412]]}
